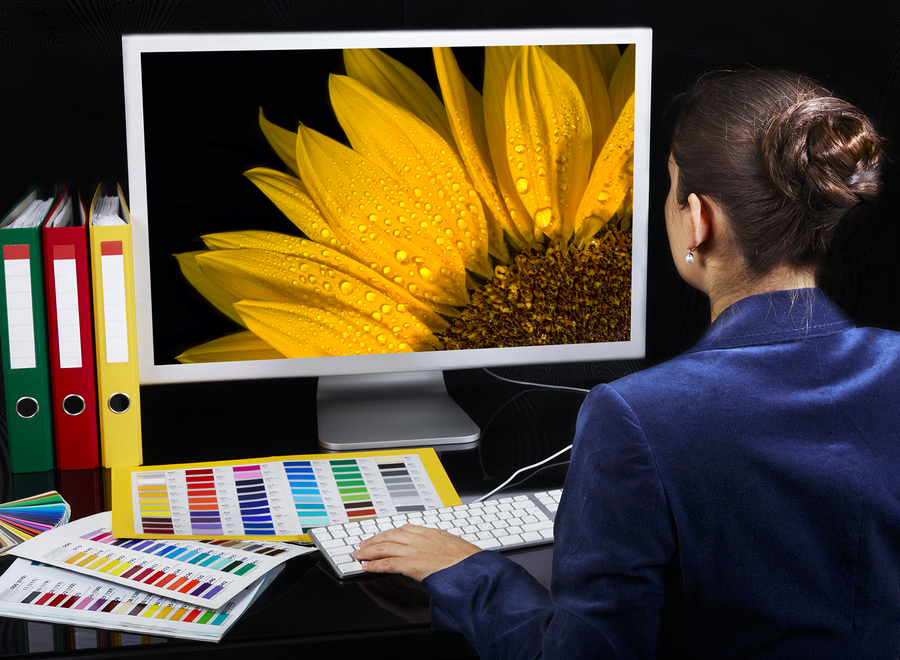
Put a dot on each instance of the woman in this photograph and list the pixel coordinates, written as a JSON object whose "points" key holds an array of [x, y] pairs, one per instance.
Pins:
{"points": [[743, 499]]}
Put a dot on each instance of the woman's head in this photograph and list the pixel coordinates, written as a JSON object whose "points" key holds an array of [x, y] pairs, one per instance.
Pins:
{"points": [[784, 160]]}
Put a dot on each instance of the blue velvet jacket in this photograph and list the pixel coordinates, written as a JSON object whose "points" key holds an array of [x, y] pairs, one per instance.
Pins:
{"points": [[739, 501]]}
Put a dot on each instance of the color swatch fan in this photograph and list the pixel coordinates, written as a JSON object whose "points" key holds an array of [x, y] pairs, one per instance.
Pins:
{"points": [[28, 517]]}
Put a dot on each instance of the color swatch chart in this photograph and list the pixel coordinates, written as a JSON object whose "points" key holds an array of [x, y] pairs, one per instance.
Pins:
{"points": [[30, 590], [206, 573], [278, 498], [238, 500], [337, 490], [25, 518]]}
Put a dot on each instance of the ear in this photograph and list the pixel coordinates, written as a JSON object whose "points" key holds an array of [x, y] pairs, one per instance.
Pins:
{"points": [[701, 212]]}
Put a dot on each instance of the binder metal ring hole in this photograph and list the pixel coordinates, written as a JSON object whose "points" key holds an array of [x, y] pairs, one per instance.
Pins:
{"points": [[27, 407], [73, 405], [119, 402]]}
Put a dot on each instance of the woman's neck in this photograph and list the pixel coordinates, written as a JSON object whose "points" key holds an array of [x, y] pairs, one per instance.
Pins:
{"points": [[722, 295]]}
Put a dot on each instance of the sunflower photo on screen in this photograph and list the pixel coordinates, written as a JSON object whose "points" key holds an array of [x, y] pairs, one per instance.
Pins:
{"points": [[450, 219]]}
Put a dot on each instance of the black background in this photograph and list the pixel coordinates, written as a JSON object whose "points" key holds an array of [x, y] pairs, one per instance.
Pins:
{"points": [[62, 117]]}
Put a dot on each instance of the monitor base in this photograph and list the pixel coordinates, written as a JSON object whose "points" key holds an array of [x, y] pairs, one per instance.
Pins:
{"points": [[390, 411]]}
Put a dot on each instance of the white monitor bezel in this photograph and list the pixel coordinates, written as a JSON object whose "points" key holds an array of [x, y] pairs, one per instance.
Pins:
{"points": [[151, 373]]}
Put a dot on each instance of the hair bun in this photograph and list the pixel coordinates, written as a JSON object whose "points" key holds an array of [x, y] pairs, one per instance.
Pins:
{"points": [[823, 154]]}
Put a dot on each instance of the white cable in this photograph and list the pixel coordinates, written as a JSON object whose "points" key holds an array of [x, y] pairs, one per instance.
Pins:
{"points": [[549, 387], [520, 470], [549, 458]]}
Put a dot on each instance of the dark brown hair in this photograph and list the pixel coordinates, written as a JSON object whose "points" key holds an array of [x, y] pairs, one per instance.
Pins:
{"points": [[784, 159]]}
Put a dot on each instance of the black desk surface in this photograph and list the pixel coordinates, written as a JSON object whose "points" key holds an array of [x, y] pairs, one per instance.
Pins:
{"points": [[306, 610]]}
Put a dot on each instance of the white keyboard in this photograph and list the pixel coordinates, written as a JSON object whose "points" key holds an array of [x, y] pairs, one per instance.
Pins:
{"points": [[508, 523]]}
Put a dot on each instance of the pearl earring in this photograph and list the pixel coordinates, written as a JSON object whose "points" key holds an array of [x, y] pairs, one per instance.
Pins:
{"points": [[690, 256]]}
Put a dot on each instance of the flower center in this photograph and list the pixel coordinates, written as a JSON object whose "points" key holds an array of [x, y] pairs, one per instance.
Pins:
{"points": [[562, 295]]}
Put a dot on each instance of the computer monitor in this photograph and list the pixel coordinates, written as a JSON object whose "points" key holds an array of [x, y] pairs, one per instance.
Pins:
{"points": [[373, 208]]}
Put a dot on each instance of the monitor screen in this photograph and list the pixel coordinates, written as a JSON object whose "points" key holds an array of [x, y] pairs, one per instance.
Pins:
{"points": [[379, 207]]}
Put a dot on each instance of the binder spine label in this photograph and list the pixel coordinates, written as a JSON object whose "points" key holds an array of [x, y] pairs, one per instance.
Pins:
{"points": [[19, 311], [67, 318], [112, 267]]}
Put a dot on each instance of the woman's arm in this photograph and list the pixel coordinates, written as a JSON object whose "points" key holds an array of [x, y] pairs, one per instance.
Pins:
{"points": [[613, 536]]}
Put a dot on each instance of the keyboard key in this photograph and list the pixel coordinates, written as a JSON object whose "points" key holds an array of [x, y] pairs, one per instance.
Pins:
{"points": [[515, 539], [350, 568], [539, 525]]}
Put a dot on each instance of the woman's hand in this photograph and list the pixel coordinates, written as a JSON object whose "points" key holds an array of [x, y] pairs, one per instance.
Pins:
{"points": [[413, 551]]}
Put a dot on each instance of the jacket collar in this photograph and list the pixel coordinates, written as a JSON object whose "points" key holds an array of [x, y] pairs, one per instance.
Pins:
{"points": [[774, 317]]}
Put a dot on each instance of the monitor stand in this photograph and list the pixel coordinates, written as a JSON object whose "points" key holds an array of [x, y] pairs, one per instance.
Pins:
{"points": [[390, 411]]}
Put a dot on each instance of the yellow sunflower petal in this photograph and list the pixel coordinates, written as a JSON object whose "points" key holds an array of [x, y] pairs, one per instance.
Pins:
{"points": [[291, 197], [398, 83], [497, 63], [581, 65], [607, 56], [219, 298], [447, 205], [282, 141], [621, 87], [270, 323], [548, 141], [302, 331], [239, 346], [269, 276], [466, 108], [611, 179], [256, 239], [432, 314], [376, 220]]}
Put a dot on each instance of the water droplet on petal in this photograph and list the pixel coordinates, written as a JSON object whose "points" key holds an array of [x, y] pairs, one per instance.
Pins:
{"points": [[545, 218], [522, 185]]}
